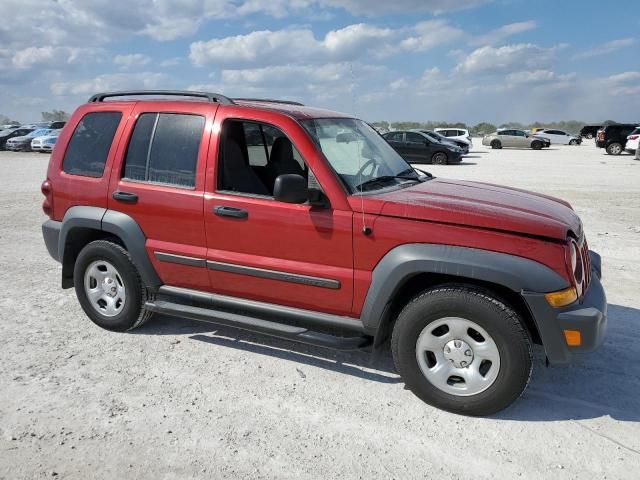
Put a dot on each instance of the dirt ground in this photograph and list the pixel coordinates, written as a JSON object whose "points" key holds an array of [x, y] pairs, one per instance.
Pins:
{"points": [[179, 399]]}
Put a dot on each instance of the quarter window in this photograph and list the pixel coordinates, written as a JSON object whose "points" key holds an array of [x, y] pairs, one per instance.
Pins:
{"points": [[89, 146], [164, 149]]}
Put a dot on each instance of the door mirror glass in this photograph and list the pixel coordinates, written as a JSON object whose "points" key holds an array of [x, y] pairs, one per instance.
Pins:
{"points": [[290, 188]]}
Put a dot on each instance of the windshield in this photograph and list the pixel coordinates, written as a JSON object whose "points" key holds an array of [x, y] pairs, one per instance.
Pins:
{"points": [[38, 133], [363, 160]]}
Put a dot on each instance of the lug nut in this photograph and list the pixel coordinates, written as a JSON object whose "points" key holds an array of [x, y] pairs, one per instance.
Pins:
{"points": [[467, 353], [463, 363], [447, 349]]}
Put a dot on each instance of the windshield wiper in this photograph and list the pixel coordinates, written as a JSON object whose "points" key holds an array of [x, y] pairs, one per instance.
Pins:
{"points": [[385, 178]]}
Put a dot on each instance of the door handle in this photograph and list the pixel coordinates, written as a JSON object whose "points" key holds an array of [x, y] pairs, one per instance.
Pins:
{"points": [[125, 197], [223, 211]]}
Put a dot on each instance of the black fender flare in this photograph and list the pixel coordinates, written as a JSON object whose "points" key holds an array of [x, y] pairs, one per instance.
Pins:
{"points": [[405, 261], [116, 223]]}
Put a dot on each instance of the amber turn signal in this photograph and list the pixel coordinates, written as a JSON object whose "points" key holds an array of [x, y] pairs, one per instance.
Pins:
{"points": [[562, 297], [573, 338]]}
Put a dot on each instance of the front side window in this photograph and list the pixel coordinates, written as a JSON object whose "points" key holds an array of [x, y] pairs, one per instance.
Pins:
{"points": [[415, 138], [362, 159], [89, 146], [164, 149]]}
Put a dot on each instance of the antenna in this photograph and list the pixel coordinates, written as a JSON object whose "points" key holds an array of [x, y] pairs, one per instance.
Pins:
{"points": [[365, 230]]}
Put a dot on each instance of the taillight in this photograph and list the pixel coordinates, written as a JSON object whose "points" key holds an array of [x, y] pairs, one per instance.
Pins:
{"points": [[47, 204]]}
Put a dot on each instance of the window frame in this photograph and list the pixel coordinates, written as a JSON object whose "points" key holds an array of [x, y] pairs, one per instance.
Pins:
{"points": [[157, 113]]}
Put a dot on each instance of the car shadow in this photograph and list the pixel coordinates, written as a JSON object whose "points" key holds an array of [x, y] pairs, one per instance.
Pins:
{"points": [[602, 383]]}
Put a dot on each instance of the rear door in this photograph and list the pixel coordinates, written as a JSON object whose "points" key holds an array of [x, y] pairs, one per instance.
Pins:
{"points": [[159, 182], [418, 148]]}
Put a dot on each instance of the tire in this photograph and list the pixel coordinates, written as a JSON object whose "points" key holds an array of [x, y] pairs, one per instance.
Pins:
{"points": [[496, 144], [469, 310], [536, 145], [573, 142], [107, 265], [614, 148], [589, 136], [439, 158]]}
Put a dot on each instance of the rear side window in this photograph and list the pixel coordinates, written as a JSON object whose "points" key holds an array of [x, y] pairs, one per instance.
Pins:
{"points": [[90, 143], [164, 149]]}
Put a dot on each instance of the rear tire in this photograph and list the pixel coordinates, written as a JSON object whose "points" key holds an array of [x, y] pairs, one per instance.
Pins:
{"points": [[439, 158], [109, 287], [573, 142], [481, 330], [536, 145], [496, 144], [614, 149]]}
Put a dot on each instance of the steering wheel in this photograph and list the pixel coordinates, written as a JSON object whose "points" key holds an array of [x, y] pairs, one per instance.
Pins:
{"points": [[367, 164]]}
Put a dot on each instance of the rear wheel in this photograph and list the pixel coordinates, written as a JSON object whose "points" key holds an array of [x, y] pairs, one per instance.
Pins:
{"points": [[614, 149], [573, 142], [496, 144], [536, 145], [109, 288], [439, 158], [460, 349]]}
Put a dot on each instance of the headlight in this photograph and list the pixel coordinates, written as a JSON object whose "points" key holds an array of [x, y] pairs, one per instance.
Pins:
{"points": [[577, 265]]}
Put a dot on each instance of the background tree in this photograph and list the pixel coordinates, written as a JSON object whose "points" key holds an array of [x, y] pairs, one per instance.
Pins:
{"points": [[55, 116], [483, 128], [4, 120]]}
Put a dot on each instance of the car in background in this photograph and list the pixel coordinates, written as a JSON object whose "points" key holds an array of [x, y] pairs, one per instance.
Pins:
{"points": [[57, 125], [589, 131], [23, 143], [6, 135], [558, 137], [509, 137], [9, 126], [613, 138], [455, 134], [463, 144], [417, 147], [535, 130], [632, 141], [45, 143]]}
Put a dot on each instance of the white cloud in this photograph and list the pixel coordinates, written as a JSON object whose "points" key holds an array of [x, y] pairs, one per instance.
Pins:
{"points": [[429, 34], [49, 56], [115, 81], [622, 84], [606, 48], [131, 60], [523, 56], [383, 7], [499, 34]]}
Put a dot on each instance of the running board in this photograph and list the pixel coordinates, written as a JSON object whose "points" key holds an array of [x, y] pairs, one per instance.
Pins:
{"points": [[258, 325]]}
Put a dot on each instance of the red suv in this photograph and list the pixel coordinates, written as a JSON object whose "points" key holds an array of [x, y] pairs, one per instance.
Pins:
{"points": [[305, 224]]}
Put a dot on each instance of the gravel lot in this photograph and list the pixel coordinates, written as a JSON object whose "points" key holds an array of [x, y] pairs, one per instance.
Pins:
{"points": [[179, 399]]}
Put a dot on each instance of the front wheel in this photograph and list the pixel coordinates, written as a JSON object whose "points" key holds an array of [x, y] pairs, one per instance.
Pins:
{"points": [[109, 288], [463, 350], [536, 145], [439, 158], [496, 144]]}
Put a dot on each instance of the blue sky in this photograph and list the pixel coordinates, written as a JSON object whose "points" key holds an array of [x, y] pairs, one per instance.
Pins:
{"points": [[461, 60]]}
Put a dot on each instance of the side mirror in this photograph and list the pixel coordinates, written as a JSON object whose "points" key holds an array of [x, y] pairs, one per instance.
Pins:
{"points": [[290, 188]]}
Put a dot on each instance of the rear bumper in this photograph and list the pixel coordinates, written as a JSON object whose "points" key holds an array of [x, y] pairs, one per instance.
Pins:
{"points": [[601, 143], [51, 234], [589, 317]]}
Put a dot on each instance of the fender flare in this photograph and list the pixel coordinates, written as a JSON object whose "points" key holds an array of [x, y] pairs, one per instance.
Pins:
{"points": [[403, 262], [120, 225]]}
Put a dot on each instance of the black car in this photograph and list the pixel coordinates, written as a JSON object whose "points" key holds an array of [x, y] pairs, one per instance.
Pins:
{"points": [[589, 131], [56, 125], [417, 147], [7, 134], [614, 137], [464, 146]]}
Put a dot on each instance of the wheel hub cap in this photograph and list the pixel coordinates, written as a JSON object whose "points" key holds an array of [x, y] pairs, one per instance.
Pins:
{"points": [[459, 353], [104, 288]]}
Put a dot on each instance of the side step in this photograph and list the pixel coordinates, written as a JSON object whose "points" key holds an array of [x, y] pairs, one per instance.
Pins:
{"points": [[266, 327]]}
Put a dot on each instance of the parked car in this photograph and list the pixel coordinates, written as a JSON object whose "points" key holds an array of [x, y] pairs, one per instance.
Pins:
{"points": [[514, 138], [342, 247], [614, 137], [559, 137], [455, 133], [417, 147], [24, 143], [57, 125], [462, 144], [9, 126], [6, 135], [535, 130], [590, 131], [632, 141], [45, 143]]}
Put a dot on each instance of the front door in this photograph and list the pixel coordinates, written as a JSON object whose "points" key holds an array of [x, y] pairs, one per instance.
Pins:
{"points": [[418, 148], [160, 184], [262, 249]]}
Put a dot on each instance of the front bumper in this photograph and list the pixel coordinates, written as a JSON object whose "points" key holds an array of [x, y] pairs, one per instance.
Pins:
{"points": [[588, 316]]}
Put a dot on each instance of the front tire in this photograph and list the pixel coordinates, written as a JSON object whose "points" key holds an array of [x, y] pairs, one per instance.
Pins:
{"points": [[463, 350], [496, 144], [614, 149], [109, 287], [536, 145], [573, 142]]}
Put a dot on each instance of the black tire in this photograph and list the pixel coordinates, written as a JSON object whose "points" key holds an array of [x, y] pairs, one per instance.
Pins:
{"points": [[573, 142], [133, 313], [499, 320], [536, 145], [589, 136], [614, 148], [496, 144], [439, 158]]}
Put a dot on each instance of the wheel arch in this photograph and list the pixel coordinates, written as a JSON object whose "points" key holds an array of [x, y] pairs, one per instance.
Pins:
{"points": [[409, 269]]}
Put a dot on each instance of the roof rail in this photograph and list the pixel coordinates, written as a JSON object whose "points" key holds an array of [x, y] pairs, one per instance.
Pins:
{"points": [[211, 97], [269, 100]]}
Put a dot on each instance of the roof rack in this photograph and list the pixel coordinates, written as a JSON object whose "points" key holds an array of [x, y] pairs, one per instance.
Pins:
{"points": [[211, 97], [269, 100]]}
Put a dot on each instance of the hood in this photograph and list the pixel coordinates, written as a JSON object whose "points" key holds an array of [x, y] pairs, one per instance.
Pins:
{"points": [[480, 205]]}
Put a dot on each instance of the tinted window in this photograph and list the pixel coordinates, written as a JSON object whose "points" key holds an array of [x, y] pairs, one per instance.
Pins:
{"points": [[89, 145], [394, 137], [415, 138], [172, 156]]}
